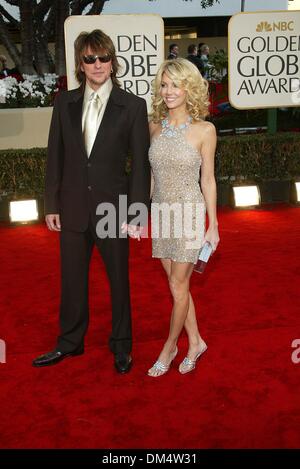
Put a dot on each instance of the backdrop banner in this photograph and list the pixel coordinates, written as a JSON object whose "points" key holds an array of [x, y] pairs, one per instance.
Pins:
{"points": [[264, 59]]}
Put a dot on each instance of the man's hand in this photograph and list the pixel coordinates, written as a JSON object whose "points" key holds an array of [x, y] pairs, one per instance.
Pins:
{"points": [[53, 222]]}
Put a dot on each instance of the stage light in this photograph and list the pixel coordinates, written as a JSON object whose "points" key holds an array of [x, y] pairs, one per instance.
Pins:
{"points": [[246, 196], [295, 193], [297, 184], [23, 211]]}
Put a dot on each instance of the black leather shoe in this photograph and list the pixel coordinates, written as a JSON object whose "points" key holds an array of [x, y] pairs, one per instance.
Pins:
{"points": [[51, 358], [123, 362]]}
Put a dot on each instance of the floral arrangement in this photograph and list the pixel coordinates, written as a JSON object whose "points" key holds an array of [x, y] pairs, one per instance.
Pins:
{"points": [[33, 91]]}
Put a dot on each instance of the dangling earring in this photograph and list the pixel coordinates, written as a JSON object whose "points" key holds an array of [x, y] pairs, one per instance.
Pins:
{"points": [[111, 71]]}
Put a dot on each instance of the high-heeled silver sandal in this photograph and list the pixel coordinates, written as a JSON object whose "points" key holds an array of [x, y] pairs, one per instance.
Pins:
{"points": [[188, 365], [160, 367]]}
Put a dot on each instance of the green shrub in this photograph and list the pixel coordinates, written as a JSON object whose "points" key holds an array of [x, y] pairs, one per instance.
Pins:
{"points": [[242, 158], [258, 158], [22, 171]]}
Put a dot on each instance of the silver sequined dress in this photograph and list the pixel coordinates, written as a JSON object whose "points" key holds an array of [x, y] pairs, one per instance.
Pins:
{"points": [[178, 207]]}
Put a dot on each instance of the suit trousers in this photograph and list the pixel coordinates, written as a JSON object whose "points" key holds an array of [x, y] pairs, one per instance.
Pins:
{"points": [[76, 250]]}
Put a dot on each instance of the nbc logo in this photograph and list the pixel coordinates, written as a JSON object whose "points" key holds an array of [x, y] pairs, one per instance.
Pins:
{"points": [[264, 26]]}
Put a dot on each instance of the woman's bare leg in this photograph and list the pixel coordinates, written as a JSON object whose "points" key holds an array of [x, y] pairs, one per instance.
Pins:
{"points": [[190, 325], [179, 285], [196, 343]]}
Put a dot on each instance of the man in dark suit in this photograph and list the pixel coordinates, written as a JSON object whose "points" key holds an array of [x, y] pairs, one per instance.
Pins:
{"points": [[92, 131], [193, 57]]}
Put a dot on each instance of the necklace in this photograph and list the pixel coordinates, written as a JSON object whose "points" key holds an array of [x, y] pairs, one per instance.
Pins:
{"points": [[172, 131]]}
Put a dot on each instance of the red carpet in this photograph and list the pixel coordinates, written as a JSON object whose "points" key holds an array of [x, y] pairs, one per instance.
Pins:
{"points": [[245, 390]]}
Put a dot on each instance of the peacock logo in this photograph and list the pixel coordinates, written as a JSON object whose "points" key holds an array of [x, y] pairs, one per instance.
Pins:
{"points": [[265, 26]]}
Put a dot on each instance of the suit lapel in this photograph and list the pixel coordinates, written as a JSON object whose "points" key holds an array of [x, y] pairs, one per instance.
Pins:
{"points": [[109, 119], [75, 110]]}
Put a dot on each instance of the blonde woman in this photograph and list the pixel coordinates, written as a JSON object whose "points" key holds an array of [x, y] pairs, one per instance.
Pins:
{"points": [[181, 143]]}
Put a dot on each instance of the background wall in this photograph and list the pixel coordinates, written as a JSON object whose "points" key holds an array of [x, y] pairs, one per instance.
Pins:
{"points": [[24, 128]]}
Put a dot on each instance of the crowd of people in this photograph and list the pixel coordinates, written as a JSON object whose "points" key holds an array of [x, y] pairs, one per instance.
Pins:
{"points": [[198, 55]]}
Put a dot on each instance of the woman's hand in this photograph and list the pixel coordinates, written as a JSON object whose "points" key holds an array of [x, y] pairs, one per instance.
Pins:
{"points": [[133, 231], [212, 236]]}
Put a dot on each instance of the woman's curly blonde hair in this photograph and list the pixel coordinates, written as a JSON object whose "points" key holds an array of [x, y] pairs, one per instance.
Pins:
{"points": [[186, 75]]}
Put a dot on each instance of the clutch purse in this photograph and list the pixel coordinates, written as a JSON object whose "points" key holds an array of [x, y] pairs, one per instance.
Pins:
{"points": [[204, 255]]}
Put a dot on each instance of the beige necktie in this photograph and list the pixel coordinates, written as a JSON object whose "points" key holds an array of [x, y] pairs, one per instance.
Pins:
{"points": [[90, 127]]}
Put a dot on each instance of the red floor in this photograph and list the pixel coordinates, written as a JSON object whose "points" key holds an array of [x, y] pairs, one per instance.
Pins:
{"points": [[245, 390]]}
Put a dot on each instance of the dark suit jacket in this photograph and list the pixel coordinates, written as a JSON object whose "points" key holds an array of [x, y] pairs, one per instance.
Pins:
{"points": [[76, 184], [196, 61]]}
